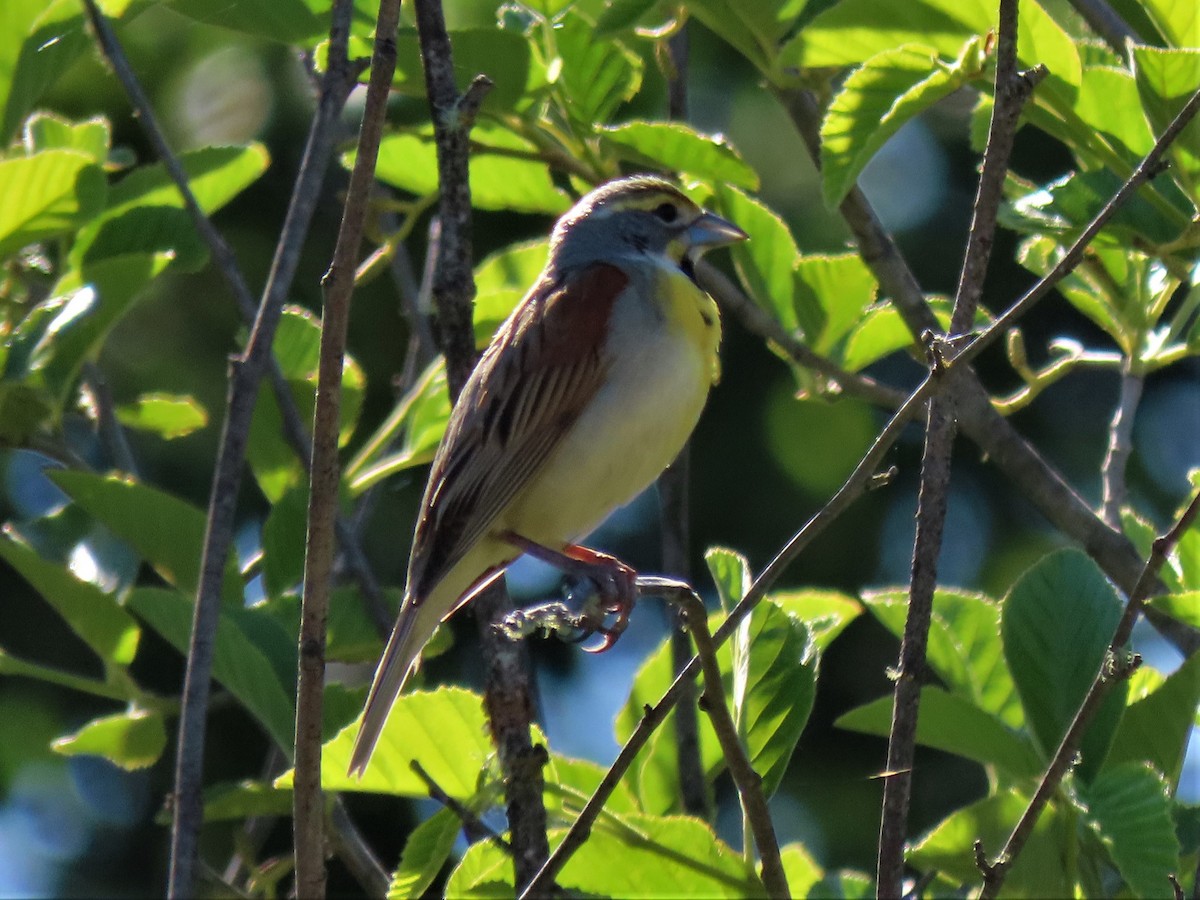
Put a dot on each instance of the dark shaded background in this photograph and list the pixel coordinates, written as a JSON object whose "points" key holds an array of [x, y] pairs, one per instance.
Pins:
{"points": [[762, 462]]}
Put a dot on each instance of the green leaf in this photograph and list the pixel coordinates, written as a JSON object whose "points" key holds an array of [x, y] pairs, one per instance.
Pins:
{"points": [[1184, 606], [230, 802], [297, 349], [425, 852], [445, 730], [781, 684], [168, 415], [286, 21], [1129, 808], [165, 531], [1056, 624], [92, 614], [570, 782], [731, 574], [420, 419], [86, 305], [824, 613], [655, 779], [47, 131], [1178, 22], [145, 211], [1045, 867], [956, 725], [801, 869], [499, 180], [852, 31], [594, 77], [845, 884], [47, 195], [766, 264], [250, 657], [880, 331], [283, 538], [964, 647], [674, 856], [1155, 729], [832, 293], [753, 27], [621, 15], [676, 147], [888, 90], [1165, 80], [131, 740], [39, 41]]}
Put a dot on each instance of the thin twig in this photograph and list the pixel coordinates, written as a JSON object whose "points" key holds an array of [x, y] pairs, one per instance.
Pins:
{"points": [[675, 508], [996, 436], [855, 485], [473, 827], [1011, 90], [338, 284], [747, 781], [352, 849], [246, 373], [1118, 664], [1120, 446]]}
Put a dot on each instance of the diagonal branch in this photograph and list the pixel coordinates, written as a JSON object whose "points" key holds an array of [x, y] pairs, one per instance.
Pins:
{"points": [[857, 483], [1118, 664], [978, 419], [338, 284]]}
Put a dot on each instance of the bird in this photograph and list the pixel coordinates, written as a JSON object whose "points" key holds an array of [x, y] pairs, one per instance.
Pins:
{"points": [[587, 392]]}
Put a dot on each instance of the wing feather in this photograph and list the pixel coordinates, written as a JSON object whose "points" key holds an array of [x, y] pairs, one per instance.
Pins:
{"points": [[527, 391]]}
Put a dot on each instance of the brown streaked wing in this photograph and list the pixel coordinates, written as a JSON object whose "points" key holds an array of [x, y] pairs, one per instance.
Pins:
{"points": [[527, 391]]}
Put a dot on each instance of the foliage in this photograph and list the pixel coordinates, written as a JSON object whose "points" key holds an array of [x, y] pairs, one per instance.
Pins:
{"points": [[88, 235]]}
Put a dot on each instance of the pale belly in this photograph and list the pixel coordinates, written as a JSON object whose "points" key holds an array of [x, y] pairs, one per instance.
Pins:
{"points": [[633, 429]]}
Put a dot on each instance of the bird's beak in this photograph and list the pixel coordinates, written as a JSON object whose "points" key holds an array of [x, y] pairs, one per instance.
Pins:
{"points": [[712, 231]]}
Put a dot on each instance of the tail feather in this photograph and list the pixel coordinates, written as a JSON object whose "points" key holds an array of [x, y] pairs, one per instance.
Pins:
{"points": [[398, 663]]}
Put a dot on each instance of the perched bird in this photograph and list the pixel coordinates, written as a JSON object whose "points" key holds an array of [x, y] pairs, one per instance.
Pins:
{"points": [[586, 393]]}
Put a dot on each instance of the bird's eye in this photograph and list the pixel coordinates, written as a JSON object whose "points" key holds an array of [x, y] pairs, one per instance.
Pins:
{"points": [[668, 212]]}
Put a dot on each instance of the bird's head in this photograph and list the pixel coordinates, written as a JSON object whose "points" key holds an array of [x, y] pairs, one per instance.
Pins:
{"points": [[638, 216]]}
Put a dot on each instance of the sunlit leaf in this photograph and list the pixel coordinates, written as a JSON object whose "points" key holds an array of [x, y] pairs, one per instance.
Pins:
{"points": [[1130, 809], [169, 415], [880, 96], [676, 147], [286, 21], [46, 195], [766, 264], [131, 740], [425, 852]]}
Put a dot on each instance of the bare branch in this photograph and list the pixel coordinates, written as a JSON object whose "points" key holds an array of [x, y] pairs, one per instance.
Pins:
{"points": [[112, 435], [1107, 22], [1011, 90], [352, 849], [338, 284], [1120, 446], [474, 829], [748, 782], [1118, 664]]}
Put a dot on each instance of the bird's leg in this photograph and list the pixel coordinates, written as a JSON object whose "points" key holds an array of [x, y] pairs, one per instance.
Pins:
{"points": [[615, 581]]}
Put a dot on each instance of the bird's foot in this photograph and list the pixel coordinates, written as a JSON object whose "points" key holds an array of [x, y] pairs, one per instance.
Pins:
{"points": [[616, 585]]}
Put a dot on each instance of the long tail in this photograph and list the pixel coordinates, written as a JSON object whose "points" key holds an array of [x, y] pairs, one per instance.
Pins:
{"points": [[414, 626]]}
